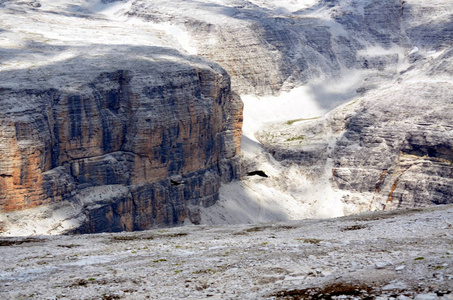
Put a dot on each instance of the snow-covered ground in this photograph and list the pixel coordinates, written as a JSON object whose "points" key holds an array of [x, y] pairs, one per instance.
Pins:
{"points": [[403, 254]]}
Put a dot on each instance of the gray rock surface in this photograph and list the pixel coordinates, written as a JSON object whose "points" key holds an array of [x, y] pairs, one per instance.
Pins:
{"points": [[83, 111], [265, 50], [390, 148], [104, 128], [287, 260]]}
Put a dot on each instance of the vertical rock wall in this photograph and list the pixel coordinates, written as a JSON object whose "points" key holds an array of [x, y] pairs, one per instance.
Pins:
{"points": [[166, 131]]}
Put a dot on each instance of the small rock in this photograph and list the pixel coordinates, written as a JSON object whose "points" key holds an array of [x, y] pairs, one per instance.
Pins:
{"points": [[394, 286], [400, 268], [430, 296], [382, 265]]}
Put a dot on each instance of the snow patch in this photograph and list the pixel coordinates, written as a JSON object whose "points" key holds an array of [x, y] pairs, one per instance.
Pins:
{"points": [[308, 101]]}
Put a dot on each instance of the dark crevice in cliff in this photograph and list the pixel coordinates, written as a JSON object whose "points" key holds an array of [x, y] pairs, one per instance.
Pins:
{"points": [[258, 173], [174, 182], [441, 152]]}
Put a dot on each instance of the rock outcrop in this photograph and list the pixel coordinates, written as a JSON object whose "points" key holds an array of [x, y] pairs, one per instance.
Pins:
{"points": [[390, 148], [131, 137]]}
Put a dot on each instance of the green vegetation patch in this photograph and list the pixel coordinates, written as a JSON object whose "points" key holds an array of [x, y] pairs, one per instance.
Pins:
{"points": [[257, 228], [205, 271], [134, 237], [17, 241], [296, 138], [354, 227], [174, 235], [68, 246]]}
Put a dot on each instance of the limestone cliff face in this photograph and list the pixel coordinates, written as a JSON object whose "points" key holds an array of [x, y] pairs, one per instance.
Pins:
{"points": [[266, 48], [162, 133], [391, 146], [142, 135]]}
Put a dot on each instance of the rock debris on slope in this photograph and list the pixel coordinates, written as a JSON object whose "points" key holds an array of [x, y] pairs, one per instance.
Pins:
{"points": [[403, 254]]}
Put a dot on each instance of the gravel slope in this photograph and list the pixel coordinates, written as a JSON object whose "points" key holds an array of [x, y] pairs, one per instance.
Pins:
{"points": [[403, 253]]}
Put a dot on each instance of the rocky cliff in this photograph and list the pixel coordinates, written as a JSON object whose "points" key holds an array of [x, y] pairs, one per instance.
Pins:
{"points": [[113, 107], [390, 147], [390, 61], [269, 46], [130, 137]]}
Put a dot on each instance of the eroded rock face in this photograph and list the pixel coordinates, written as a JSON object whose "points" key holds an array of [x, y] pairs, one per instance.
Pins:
{"points": [[117, 121], [390, 149], [128, 132], [391, 146], [399, 158], [266, 47]]}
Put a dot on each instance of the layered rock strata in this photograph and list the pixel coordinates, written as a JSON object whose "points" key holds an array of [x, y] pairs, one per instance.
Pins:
{"points": [[160, 129], [390, 148], [266, 48], [154, 134]]}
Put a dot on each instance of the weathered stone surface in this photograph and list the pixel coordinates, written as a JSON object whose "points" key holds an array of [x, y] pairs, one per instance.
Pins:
{"points": [[390, 149], [119, 121], [94, 113], [266, 49]]}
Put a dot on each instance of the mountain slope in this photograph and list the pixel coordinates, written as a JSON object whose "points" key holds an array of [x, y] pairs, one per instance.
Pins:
{"points": [[405, 254]]}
